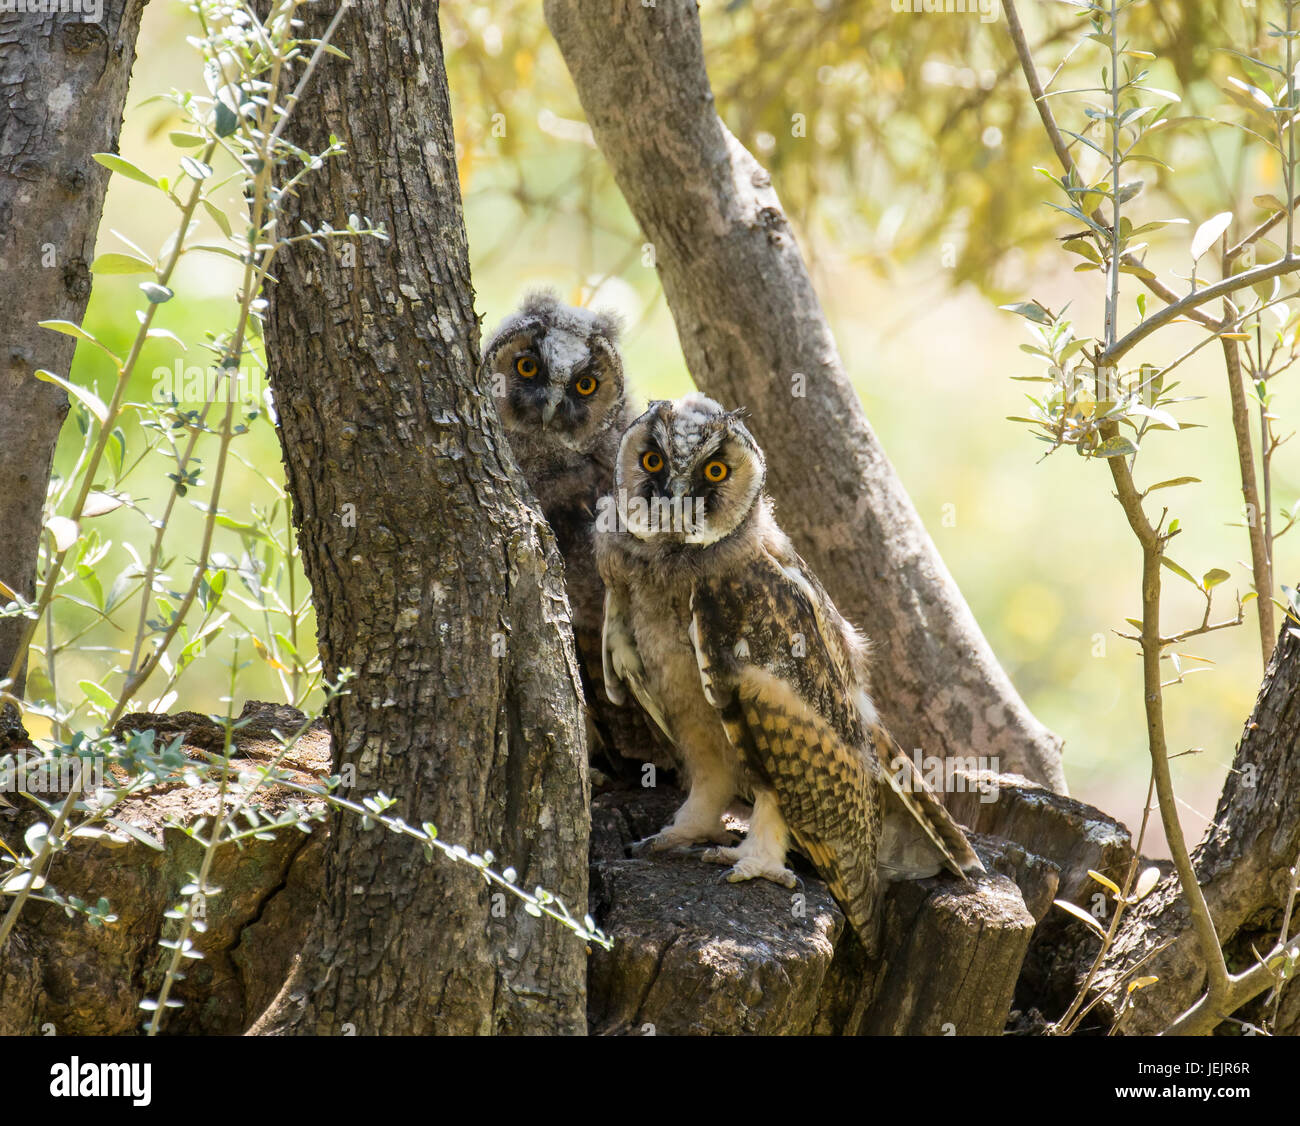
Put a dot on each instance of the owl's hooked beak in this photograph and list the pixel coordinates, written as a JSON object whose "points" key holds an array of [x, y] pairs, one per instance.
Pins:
{"points": [[553, 398]]}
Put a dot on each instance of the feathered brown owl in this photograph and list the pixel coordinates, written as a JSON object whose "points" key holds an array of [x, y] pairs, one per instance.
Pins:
{"points": [[557, 376], [720, 630]]}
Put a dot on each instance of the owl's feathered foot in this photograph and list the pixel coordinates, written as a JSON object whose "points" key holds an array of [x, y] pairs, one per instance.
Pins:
{"points": [[750, 867], [698, 821], [671, 838]]}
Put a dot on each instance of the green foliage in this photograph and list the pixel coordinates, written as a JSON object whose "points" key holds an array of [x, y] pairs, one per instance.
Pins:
{"points": [[1106, 410], [889, 133]]}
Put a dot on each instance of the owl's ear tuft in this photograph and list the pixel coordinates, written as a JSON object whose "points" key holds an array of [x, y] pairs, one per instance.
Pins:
{"points": [[735, 421], [607, 323], [654, 411], [539, 302]]}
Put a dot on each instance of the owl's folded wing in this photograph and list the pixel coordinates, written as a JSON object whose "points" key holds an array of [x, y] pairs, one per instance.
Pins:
{"points": [[621, 663], [790, 701], [795, 727]]}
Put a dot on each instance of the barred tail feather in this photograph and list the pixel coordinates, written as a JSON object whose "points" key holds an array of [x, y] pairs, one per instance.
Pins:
{"points": [[903, 852]]}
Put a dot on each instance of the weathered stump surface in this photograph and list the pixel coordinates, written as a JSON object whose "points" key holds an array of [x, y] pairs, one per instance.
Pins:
{"points": [[695, 955], [1071, 834], [85, 980], [1074, 837], [692, 955]]}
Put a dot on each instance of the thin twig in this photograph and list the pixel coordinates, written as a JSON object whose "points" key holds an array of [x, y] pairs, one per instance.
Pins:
{"points": [[1186, 306], [1250, 492]]}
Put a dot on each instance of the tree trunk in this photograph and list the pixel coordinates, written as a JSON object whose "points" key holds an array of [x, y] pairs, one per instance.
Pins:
{"points": [[62, 88], [430, 576], [1242, 864], [754, 335]]}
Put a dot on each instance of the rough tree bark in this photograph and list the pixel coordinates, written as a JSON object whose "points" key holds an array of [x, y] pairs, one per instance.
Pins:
{"points": [[430, 576], [753, 334], [63, 84]]}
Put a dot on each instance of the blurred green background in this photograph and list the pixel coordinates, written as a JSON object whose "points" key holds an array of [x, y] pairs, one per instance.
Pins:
{"points": [[903, 146]]}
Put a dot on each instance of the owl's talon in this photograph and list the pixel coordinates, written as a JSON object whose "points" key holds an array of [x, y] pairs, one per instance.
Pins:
{"points": [[671, 839], [752, 867], [720, 855], [660, 842], [647, 845]]}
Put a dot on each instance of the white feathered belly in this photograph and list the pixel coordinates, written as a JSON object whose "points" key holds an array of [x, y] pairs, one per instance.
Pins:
{"points": [[661, 628]]}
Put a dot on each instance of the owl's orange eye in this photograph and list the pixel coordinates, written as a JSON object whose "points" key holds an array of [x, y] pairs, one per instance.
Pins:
{"points": [[651, 461], [526, 366], [586, 385], [715, 471]]}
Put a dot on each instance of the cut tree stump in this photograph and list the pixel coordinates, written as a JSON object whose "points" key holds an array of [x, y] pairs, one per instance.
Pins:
{"points": [[694, 955], [1074, 837], [1071, 834]]}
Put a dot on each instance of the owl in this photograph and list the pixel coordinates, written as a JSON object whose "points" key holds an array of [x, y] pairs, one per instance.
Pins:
{"points": [[557, 376], [718, 628]]}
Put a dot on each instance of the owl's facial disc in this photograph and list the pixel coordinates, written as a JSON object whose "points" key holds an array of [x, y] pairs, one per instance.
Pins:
{"points": [[559, 382], [688, 473]]}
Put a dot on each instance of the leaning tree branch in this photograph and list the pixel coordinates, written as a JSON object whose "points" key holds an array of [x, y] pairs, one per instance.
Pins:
{"points": [[754, 335], [1184, 306]]}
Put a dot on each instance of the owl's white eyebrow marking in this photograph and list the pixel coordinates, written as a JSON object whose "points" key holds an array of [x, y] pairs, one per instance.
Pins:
{"points": [[563, 351], [712, 442]]}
